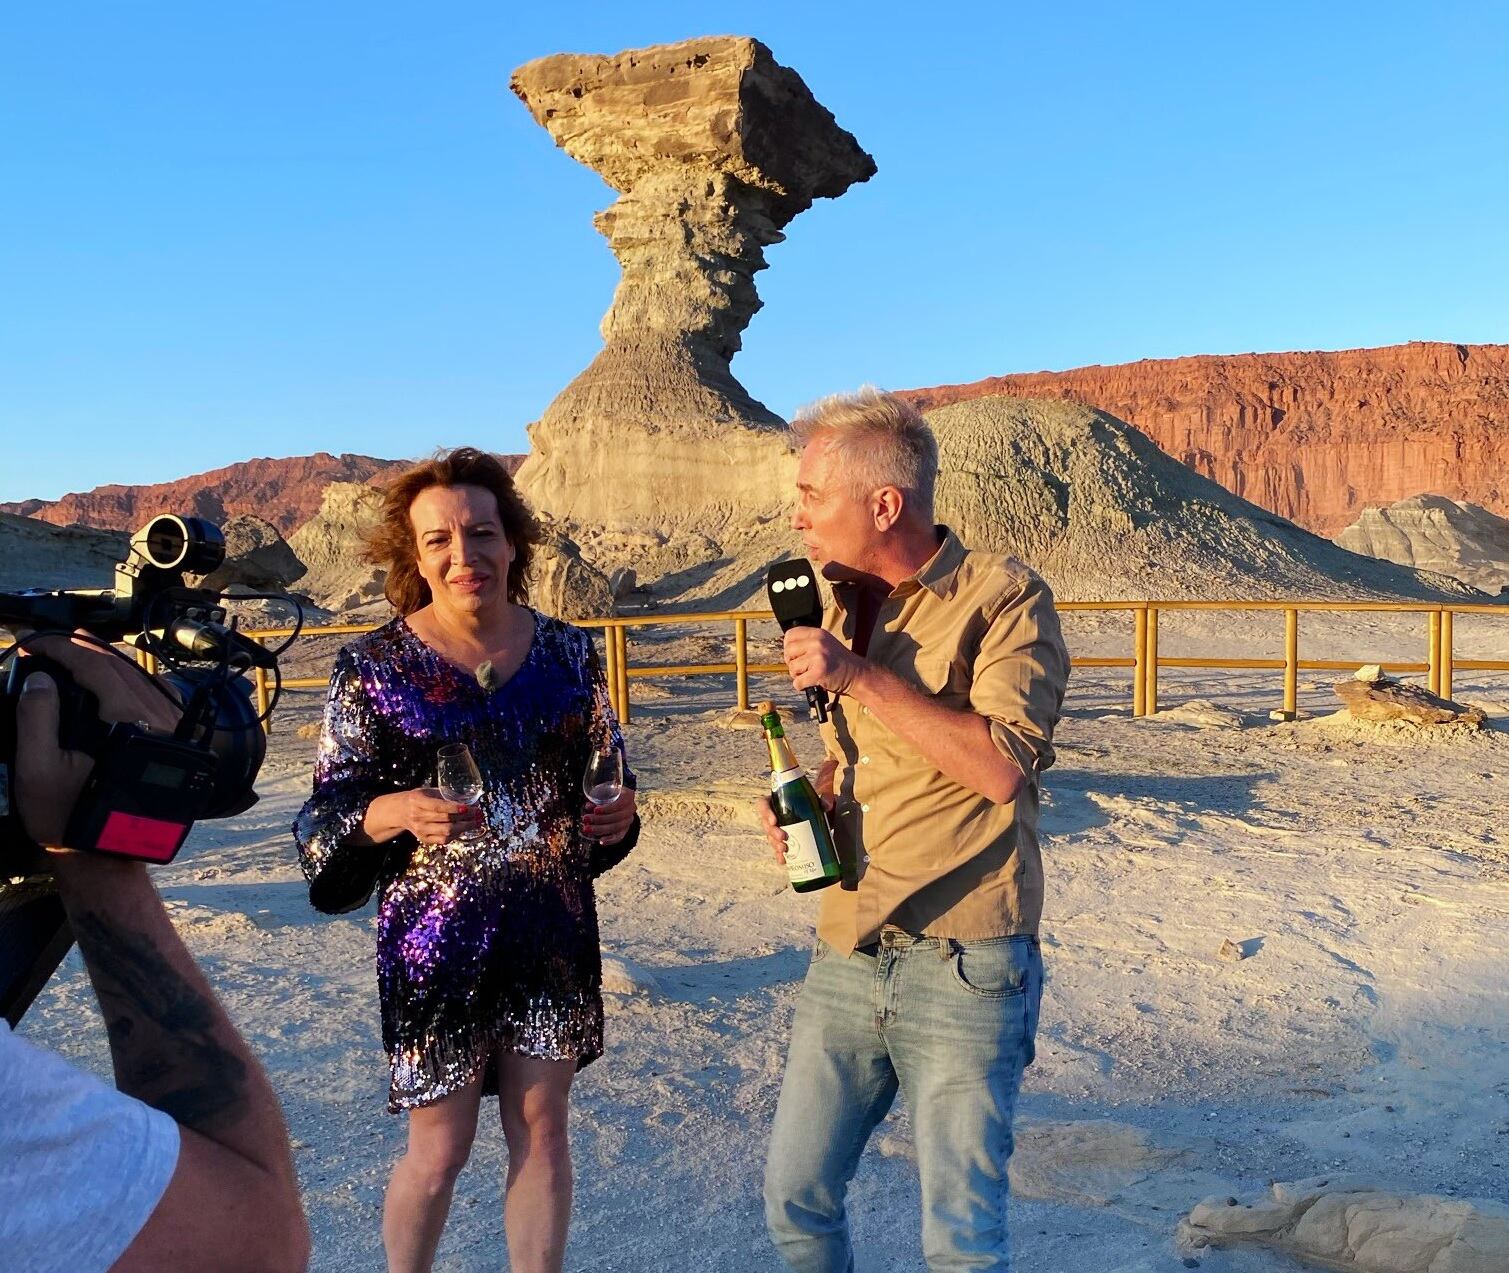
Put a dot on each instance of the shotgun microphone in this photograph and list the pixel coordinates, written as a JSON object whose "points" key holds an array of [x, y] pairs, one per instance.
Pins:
{"points": [[792, 589]]}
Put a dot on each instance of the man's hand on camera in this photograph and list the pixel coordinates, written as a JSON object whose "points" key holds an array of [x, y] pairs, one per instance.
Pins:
{"points": [[48, 778]]}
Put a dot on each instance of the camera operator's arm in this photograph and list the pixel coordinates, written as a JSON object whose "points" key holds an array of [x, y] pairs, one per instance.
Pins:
{"points": [[233, 1198]]}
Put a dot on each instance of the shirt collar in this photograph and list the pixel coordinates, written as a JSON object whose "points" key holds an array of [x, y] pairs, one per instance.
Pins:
{"points": [[936, 574]]}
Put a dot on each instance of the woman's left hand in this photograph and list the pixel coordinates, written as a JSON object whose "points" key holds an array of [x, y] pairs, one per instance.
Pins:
{"points": [[609, 823]]}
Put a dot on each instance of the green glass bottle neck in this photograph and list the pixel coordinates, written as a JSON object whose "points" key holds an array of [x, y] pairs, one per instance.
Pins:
{"points": [[782, 758]]}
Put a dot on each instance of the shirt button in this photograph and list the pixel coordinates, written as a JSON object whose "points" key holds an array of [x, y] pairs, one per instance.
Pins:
{"points": [[864, 760], [865, 711], [864, 808], [865, 859]]}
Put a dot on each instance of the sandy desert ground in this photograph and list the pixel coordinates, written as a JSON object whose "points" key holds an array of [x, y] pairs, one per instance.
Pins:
{"points": [[1363, 871]]}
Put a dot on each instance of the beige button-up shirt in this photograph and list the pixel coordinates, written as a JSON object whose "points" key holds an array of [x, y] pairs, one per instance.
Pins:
{"points": [[977, 632]]}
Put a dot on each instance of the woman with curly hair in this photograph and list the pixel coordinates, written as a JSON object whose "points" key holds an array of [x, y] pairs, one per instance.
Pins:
{"points": [[489, 969]]}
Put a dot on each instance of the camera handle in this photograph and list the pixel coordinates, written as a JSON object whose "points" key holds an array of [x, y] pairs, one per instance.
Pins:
{"points": [[79, 724]]}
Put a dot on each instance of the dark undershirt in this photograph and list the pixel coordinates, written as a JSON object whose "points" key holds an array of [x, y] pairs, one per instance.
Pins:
{"points": [[866, 612]]}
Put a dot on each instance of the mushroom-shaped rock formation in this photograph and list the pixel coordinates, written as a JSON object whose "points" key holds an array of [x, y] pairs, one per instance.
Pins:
{"points": [[714, 147]]}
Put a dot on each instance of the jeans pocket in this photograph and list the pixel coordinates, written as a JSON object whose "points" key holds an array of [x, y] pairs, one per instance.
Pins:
{"points": [[991, 969]]}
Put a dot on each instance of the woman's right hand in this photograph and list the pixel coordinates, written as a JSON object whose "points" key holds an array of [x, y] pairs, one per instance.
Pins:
{"points": [[774, 832], [423, 812]]}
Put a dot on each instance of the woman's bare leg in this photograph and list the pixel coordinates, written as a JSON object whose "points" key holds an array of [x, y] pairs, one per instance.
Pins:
{"points": [[419, 1191], [537, 1204]]}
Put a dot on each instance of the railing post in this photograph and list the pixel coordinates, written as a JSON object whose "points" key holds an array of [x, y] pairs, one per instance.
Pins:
{"points": [[1446, 653], [1139, 661], [259, 679], [741, 662], [1291, 664], [1150, 692], [1433, 658], [623, 674], [610, 665]]}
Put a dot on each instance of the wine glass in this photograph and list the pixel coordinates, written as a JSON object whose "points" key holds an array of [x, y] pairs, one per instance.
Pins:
{"points": [[603, 779], [459, 779]]}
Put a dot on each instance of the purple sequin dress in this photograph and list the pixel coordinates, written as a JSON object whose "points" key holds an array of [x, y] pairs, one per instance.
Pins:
{"points": [[482, 944]]}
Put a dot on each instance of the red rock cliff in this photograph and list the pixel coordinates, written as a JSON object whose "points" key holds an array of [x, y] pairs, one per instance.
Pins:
{"points": [[284, 492], [1311, 436]]}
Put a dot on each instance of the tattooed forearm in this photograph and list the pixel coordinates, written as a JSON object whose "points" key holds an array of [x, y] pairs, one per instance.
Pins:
{"points": [[166, 1036]]}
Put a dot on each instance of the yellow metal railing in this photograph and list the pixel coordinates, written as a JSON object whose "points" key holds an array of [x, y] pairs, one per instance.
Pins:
{"points": [[1145, 660]]}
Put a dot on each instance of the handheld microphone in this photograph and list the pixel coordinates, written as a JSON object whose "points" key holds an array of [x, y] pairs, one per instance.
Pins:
{"points": [[792, 589]]}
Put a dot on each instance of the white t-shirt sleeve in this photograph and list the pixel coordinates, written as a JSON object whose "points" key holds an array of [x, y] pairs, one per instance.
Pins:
{"points": [[82, 1166]]}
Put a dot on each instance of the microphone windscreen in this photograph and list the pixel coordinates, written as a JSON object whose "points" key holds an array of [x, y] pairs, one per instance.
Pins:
{"points": [[792, 589], [487, 676]]}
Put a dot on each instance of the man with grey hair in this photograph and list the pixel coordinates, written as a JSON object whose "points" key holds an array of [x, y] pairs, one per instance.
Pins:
{"points": [[947, 671]]}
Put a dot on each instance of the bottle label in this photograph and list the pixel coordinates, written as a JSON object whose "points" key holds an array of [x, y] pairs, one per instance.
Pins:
{"points": [[803, 861], [780, 777]]}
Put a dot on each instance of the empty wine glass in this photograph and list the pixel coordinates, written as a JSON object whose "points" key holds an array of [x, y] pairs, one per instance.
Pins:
{"points": [[603, 779], [459, 779]]}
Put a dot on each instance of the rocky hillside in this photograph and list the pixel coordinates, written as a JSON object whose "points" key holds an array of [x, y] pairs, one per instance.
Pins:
{"points": [[1080, 496], [1432, 532], [1101, 512], [1313, 437]]}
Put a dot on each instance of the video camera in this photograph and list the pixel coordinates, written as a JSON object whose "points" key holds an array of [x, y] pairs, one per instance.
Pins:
{"points": [[147, 789]]}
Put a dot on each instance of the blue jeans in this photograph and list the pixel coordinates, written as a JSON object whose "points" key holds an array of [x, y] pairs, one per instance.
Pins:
{"points": [[951, 1024]]}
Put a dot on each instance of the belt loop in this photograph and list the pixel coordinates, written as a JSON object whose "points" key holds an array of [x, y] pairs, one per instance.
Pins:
{"points": [[945, 947]]}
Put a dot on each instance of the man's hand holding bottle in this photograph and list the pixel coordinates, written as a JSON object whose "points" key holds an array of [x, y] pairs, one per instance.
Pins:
{"points": [[765, 809]]}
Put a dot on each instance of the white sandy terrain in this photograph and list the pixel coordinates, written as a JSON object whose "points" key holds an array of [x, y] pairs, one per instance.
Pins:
{"points": [[1362, 871]]}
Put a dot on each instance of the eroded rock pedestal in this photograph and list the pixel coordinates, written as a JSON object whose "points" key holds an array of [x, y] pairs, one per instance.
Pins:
{"points": [[714, 147]]}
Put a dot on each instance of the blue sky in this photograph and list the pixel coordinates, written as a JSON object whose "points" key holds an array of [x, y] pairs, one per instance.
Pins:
{"points": [[269, 229]]}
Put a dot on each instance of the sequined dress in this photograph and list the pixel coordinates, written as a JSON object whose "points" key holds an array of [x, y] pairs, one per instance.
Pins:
{"points": [[490, 943]]}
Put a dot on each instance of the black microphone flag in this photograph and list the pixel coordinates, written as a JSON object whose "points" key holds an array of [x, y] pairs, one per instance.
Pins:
{"points": [[792, 589]]}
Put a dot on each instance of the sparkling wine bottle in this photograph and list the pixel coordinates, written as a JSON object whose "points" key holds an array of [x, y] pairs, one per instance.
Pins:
{"points": [[811, 859]]}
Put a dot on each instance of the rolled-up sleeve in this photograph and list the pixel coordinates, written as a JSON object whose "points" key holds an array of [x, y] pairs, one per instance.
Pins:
{"points": [[1019, 676], [346, 780]]}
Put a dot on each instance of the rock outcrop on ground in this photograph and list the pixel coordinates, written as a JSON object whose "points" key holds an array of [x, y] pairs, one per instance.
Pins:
{"points": [[563, 584], [34, 554], [1340, 1223], [1431, 532], [1313, 437], [257, 558], [332, 547], [1373, 695], [713, 147], [285, 492]]}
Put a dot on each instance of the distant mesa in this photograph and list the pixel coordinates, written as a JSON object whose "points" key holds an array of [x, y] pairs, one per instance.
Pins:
{"points": [[1431, 532], [284, 492], [714, 147], [1313, 437]]}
